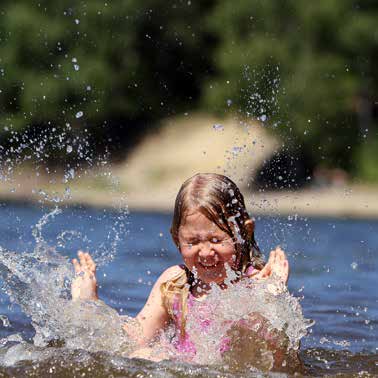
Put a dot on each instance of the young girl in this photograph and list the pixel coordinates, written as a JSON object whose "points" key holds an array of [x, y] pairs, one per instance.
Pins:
{"points": [[213, 232]]}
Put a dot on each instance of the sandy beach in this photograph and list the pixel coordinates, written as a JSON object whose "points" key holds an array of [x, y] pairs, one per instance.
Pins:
{"points": [[151, 176]]}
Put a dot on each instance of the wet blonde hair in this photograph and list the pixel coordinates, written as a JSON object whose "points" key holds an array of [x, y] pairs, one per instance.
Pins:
{"points": [[220, 200]]}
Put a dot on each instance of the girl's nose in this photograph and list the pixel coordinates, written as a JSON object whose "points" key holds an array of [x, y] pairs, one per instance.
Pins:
{"points": [[206, 250]]}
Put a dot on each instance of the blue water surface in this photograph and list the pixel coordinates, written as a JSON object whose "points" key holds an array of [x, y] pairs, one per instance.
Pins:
{"points": [[333, 264]]}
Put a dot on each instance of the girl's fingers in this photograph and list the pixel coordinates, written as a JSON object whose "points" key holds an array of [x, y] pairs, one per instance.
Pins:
{"points": [[277, 257], [91, 266], [81, 256], [277, 264], [86, 262], [280, 259], [272, 260], [267, 270], [282, 266], [79, 266], [76, 265], [90, 261], [281, 254]]}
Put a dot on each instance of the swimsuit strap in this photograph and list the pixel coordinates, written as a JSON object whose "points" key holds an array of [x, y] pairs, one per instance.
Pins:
{"points": [[249, 271]]}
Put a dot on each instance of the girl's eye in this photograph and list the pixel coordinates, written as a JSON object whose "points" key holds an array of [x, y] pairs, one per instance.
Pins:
{"points": [[192, 243], [215, 240]]}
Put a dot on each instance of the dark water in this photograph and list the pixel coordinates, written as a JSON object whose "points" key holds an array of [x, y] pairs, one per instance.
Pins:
{"points": [[333, 267]]}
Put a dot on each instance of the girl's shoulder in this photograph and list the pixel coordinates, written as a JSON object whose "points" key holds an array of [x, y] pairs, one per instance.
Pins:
{"points": [[171, 273], [173, 283]]}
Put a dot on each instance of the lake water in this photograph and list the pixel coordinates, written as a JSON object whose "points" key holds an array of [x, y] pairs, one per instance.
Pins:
{"points": [[333, 267]]}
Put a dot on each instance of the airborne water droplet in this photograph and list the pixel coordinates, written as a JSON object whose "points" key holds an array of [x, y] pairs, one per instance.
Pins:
{"points": [[69, 149], [263, 118], [5, 321], [79, 114], [67, 192], [218, 127]]}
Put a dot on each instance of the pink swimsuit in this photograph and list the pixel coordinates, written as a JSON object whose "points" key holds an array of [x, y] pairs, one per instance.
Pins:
{"points": [[184, 344]]}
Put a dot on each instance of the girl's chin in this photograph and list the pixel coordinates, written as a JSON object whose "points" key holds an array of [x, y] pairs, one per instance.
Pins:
{"points": [[212, 280], [209, 274]]}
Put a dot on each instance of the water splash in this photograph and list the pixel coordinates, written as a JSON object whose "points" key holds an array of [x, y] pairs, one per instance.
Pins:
{"points": [[37, 230], [39, 281], [259, 321]]}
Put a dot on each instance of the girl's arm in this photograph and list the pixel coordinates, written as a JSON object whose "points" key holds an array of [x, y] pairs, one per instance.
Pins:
{"points": [[151, 319], [154, 316]]}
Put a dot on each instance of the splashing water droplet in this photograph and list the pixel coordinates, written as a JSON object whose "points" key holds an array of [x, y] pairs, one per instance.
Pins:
{"points": [[236, 150], [5, 321], [76, 67], [262, 118], [354, 265], [218, 127], [79, 114], [69, 149]]}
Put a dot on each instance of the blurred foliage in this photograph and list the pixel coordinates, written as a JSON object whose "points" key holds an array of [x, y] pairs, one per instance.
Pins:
{"points": [[112, 69], [106, 68], [323, 54]]}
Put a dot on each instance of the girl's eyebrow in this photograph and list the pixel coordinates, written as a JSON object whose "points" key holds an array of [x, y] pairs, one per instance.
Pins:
{"points": [[196, 235]]}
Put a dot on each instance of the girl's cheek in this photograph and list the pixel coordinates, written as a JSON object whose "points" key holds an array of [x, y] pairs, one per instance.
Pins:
{"points": [[188, 257]]}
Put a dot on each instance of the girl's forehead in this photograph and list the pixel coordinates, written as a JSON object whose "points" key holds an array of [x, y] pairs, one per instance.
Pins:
{"points": [[195, 221]]}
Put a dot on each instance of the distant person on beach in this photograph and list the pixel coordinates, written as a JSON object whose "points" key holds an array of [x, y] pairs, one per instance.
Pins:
{"points": [[214, 234]]}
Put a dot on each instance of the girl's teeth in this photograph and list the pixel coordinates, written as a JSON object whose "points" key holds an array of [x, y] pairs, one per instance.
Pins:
{"points": [[208, 266]]}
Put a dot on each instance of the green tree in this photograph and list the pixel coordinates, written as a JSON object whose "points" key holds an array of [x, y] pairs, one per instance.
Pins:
{"points": [[104, 67], [323, 54]]}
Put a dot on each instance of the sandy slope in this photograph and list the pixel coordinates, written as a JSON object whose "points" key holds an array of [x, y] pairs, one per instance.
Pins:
{"points": [[197, 143], [183, 146]]}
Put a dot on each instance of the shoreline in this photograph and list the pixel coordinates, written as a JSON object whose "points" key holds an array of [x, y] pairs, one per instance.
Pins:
{"points": [[150, 177], [353, 202]]}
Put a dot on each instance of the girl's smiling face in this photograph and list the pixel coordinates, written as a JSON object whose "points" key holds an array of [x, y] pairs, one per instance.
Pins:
{"points": [[205, 248]]}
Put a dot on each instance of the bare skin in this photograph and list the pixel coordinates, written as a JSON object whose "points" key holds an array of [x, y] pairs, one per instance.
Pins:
{"points": [[277, 264], [84, 286], [154, 317]]}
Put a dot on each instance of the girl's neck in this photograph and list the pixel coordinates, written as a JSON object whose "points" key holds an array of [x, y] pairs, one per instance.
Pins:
{"points": [[199, 288]]}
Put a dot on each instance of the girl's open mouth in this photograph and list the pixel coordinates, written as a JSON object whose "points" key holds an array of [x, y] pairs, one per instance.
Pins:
{"points": [[209, 266]]}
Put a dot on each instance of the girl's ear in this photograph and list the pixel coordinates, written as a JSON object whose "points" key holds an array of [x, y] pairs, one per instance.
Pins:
{"points": [[250, 226]]}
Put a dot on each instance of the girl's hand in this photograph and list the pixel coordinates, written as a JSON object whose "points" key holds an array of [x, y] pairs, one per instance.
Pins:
{"points": [[277, 264], [84, 285]]}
